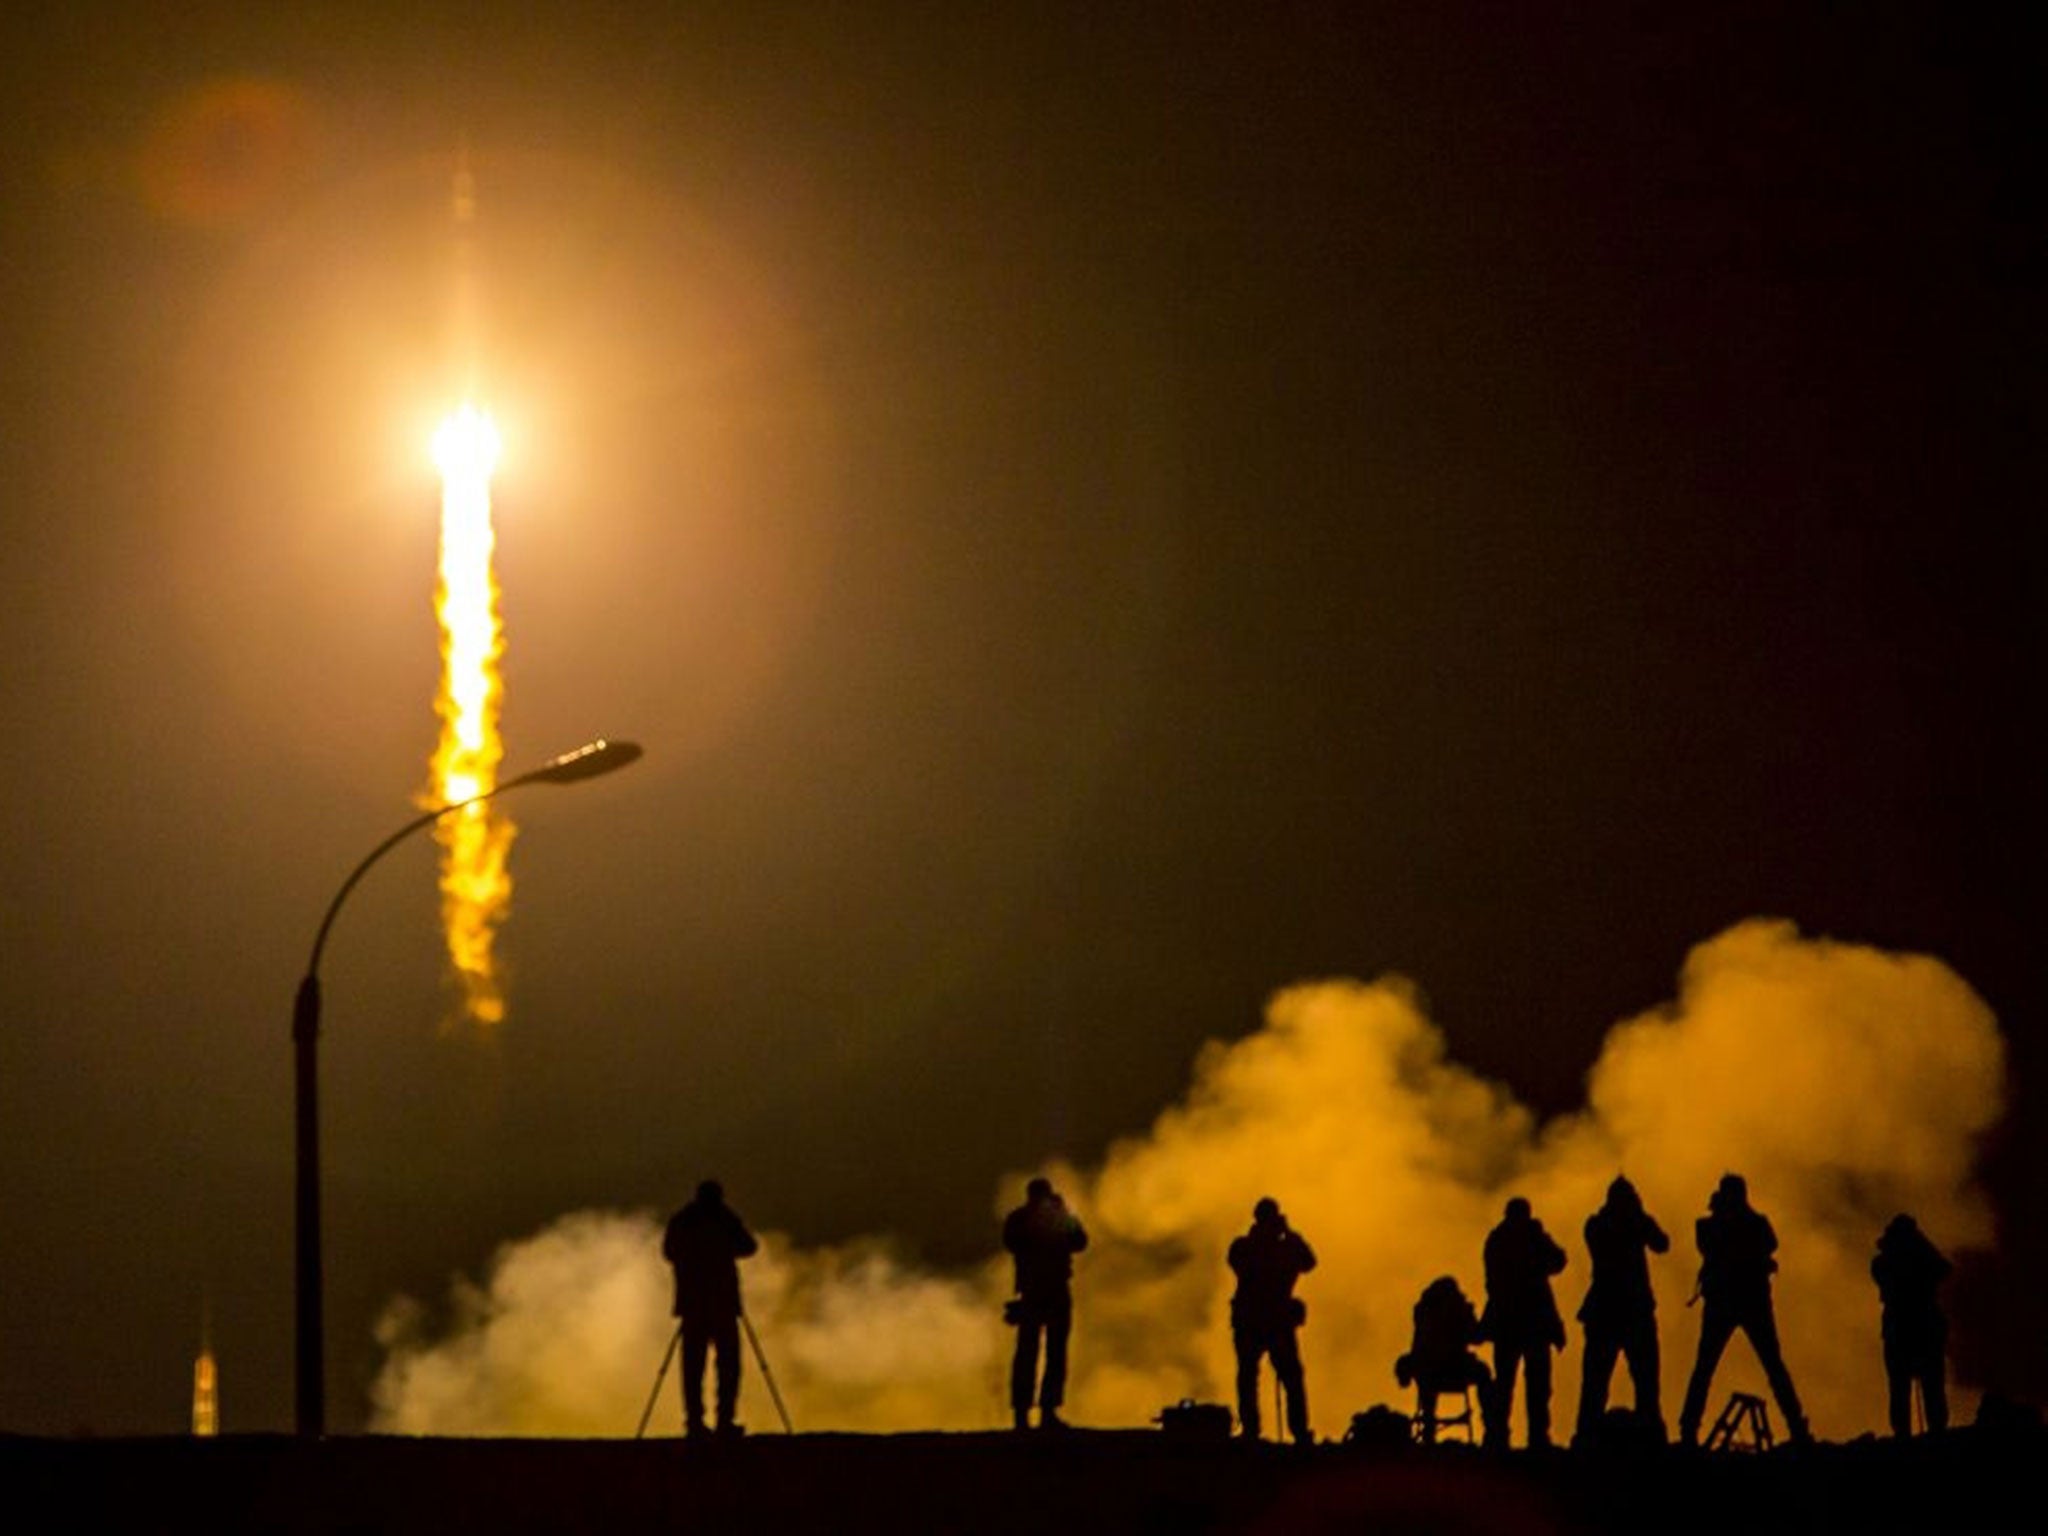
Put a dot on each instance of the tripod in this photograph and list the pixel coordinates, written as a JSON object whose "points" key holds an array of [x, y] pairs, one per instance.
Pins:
{"points": [[675, 1339], [774, 1392]]}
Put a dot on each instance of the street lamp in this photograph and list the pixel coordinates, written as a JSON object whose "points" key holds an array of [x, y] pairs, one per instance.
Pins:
{"points": [[586, 762]]}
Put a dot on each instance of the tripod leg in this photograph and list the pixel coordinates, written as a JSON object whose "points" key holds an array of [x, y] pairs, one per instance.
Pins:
{"points": [[767, 1375], [659, 1377]]}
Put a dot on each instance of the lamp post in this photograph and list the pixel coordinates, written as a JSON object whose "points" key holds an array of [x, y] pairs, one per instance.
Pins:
{"points": [[586, 762]]}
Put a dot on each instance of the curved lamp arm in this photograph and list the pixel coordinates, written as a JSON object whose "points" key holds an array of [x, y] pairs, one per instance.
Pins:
{"points": [[586, 762]]}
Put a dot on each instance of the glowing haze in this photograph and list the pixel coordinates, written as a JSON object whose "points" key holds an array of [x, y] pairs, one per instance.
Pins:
{"points": [[476, 886], [1847, 1083]]}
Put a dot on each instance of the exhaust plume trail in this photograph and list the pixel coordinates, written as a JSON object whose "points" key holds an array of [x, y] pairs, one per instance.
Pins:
{"points": [[1847, 1083], [476, 886]]}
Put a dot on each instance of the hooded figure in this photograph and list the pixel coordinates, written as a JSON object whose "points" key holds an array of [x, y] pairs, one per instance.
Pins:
{"points": [[1266, 1315], [1909, 1270]]}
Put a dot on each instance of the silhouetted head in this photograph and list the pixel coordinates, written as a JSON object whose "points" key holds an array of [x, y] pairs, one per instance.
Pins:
{"points": [[1038, 1189], [1266, 1212], [1517, 1209], [1731, 1194], [1623, 1194], [1901, 1226], [711, 1192]]}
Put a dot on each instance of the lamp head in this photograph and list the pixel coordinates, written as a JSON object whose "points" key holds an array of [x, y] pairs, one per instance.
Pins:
{"points": [[586, 762]]}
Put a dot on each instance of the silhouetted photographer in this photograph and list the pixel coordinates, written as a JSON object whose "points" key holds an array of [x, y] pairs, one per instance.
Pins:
{"points": [[1909, 1270], [1737, 1247], [1620, 1309], [1521, 1318], [704, 1242], [1266, 1316], [1440, 1357], [1043, 1236]]}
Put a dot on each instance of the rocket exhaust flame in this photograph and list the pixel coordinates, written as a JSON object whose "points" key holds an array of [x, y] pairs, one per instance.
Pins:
{"points": [[476, 886]]}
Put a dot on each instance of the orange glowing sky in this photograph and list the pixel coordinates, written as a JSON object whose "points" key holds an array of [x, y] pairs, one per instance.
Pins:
{"points": [[1095, 518]]}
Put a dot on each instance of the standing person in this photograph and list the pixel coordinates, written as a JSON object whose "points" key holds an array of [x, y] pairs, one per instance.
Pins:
{"points": [[1043, 1236], [1736, 1245], [1521, 1318], [704, 1242], [1620, 1310], [1265, 1315], [1909, 1270]]}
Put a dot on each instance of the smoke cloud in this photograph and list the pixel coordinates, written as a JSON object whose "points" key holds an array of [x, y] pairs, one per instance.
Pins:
{"points": [[1844, 1082]]}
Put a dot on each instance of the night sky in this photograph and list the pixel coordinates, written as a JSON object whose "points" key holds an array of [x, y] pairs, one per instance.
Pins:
{"points": [[1093, 518]]}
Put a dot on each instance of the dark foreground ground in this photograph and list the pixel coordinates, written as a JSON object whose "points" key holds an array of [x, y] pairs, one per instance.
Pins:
{"points": [[1065, 1485]]}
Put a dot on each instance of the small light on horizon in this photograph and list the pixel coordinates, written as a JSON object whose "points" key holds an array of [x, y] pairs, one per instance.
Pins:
{"points": [[205, 1394]]}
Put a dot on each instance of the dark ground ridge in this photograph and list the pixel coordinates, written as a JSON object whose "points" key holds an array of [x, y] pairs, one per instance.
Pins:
{"points": [[1076, 1482]]}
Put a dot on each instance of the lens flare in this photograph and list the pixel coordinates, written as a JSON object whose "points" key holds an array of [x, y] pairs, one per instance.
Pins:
{"points": [[476, 885]]}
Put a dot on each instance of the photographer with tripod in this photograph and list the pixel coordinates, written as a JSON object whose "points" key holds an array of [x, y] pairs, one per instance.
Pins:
{"points": [[704, 1243]]}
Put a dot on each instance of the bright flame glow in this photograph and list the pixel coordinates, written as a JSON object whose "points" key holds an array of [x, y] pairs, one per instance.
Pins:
{"points": [[476, 886]]}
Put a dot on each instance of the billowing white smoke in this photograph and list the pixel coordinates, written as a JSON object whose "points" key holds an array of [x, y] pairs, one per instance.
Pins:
{"points": [[547, 1347], [568, 1334], [1844, 1082]]}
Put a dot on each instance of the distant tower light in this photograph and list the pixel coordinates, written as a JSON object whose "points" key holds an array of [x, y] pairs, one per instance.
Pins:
{"points": [[205, 1388]]}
